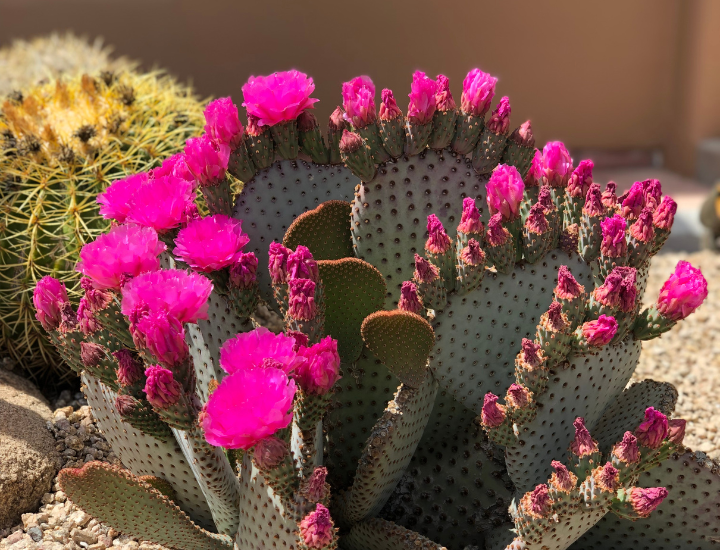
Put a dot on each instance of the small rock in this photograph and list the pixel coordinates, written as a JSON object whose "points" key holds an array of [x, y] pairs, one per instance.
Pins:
{"points": [[97, 546], [74, 442], [79, 518], [83, 535], [60, 497], [15, 537], [66, 411], [60, 535], [47, 498], [35, 533]]}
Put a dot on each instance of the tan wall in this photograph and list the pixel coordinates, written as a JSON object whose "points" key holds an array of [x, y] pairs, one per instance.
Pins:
{"points": [[594, 74]]}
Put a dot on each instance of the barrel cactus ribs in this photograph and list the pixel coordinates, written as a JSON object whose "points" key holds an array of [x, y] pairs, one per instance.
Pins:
{"points": [[461, 320]]}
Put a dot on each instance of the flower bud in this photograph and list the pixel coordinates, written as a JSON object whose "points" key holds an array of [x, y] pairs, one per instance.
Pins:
{"points": [[301, 299], [389, 109], [316, 529], [161, 388], [664, 216], [505, 190], [478, 92], [470, 220], [319, 373], [557, 164], [653, 431], [613, 243], [422, 99], [269, 453], [91, 354], [277, 263], [302, 265], [48, 297], [409, 299], [580, 179], [683, 292], [600, 332]]}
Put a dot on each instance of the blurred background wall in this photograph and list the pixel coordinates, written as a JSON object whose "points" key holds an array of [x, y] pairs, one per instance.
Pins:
{"points": [[616, 75]]}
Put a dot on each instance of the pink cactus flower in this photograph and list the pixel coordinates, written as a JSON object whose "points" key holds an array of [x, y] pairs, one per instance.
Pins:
{"points": [[302, 265], [683, 292], [86, 320], [499, 122], [48, 297], [126, 250], [664, 216], [211, 243], [634, 202], [207, 159], [518, 396], [243, 273], [443, 97], [523, 135], [173, 166], [129, 371], [653, 431], [567, 288], [583, 444], [470, 220], [438, 241], [645, 501], [359, 101], [478, 92], [301, 299], [222, 122], [676, 429], [472, 254], [557, 164], [540, 501], [601, 331], [247, 407], [562, 479], [248, 350], [534, 176], [505, 190], [496, 234], [609, 199], [162, 204], [593, 202], [627, 450], [181, 294], [161, 388], [536, 221], [115, 201], [316, 529], [389, 109], [531, 352], [425, 272], [270, 452], [613, 243], [580, 179], [422, 99], [279, 97], [652, 190], [277, 263], [318, 374], [164, 337], [607, 477], [492, 414], [410, 299], [350, 142]]}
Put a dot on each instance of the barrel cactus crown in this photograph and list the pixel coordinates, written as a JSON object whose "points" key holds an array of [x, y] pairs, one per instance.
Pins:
{"points": [[61, 143], [461, 319]]}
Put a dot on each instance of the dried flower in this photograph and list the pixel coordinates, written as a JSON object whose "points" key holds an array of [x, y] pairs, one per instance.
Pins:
{"points": [[601, 331], [653, 430], [613, 243], [410, 299], [277, 263], [567, 288], [645, 501], [470, 220], [499, 121], [443, 97], [302, 265], [583, 444], [316, 529], [389, 109], [492, 414], [301, 299], [425, 272], [438, 241]]}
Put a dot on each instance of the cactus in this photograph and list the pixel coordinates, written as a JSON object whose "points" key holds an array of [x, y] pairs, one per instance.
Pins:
{"points": [[460, 388], [62, 142]]}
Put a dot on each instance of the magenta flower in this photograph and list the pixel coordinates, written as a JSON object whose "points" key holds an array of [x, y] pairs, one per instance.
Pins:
{"points": [[478, 92], [613, 237], [247, 407], [301, 299], [653, 430], [443, 97], [593, 201], [359, 101], [302, 265], [422, 99], [601, 331], [583, 444], [321, 370], [162, 204], [316, 529], [580, 179], [278, 97], [682, 293], [181, 294], [207, 159], [676, 428], [129, 370], [243, 273], [557, 164], [277, 263], [540, 501], [410, 299], [438, 241], [389, 109], [664, 216], [49, 297], [161, 388], [505, 191], [472, 254], [645, 501], [125, 251], [173, 166], [499, 121], [492, 414], [496, 234], [222, 122], [164, 337], [115, 201], [536, 221], [567, 288], [634, 202], [270, 452], [534, 176], [470, 220], [627, 450], [248, 350], [425, 272], [211, 243]]}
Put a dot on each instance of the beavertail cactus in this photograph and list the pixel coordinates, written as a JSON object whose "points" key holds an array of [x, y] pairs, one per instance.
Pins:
{"points": [[461, 319]]}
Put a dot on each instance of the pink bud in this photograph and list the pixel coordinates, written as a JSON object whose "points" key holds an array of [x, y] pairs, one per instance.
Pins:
{"points": [[583, 444], [389, 109], [524, 135], [580, 179], [301, 299], [499, 121], [68, 318], [409, 299], [628, 289], [307, 121], [540, 501], [91, 354], [243, 273], [319, 373], [653, 191], [653, 430], [536, 221], [269, 452], [438, 241], [492, 414], [676, 429], [207, 159], [422, 99], [302, 265], [472, 254], [359, 101], [505, 190], [534, 176], [222, 122], [607, 477], [518, 396], [164, 337], [350, 142], [567, 288], [125, 405], [634, 202], [129, 370], [531, 352], [161, 388], [627, 450], [609, 199], [97, 300], [470, 220], [645, 501], [664, 216], [562, 479], [545, 199], [425, 272], [613, 237], [86, 319], [115, 201], [496, 234], [555, 319], [315, 489], [683, 292], [337, 119], [277, 263], [278, 97], [557, 164], [608, 294], [48, 297], [443, 97], [316, 529], [593, 201], [478, 92], [600, 332]]}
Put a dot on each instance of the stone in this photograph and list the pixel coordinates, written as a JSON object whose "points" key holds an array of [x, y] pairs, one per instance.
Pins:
{"points": [[78, 518], [60, 497], [13, 538], [28, 459], [83, 535], [35, 533], [97, 546]]}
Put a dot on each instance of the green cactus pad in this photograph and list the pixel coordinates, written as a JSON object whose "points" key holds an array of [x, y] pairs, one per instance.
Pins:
{"points": [[379, 534], [688, 518], [325, 230], [389, 215], [124, 502], [455, 487], [389, 449], [359, 399], [402, 340], [478, 335], [353, 289], [585, 388], [628, 410], [145, 455], [270, 202]]}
